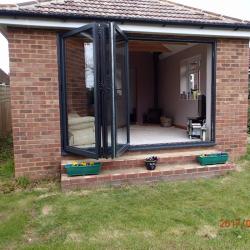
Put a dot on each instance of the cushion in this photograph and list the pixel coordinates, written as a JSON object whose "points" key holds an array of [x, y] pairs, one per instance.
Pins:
{"points": [[82, 137], [78, 120], [81, 126]]}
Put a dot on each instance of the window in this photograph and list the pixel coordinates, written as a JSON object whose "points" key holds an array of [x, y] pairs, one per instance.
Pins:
{"points": [[190, 78]]}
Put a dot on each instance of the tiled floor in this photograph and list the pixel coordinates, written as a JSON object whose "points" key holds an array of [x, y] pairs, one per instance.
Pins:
{"points": [[149, 134], [155, 134]]}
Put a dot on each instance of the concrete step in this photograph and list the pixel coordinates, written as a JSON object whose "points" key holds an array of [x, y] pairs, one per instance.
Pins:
{"points": [[140, 175]]}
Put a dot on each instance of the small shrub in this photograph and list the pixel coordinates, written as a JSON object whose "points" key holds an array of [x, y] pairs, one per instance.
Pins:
{"points": [[248, 124], [6, 148], [23, 182], [6, 158], [7, 187], [11, 185], [7, 169]]}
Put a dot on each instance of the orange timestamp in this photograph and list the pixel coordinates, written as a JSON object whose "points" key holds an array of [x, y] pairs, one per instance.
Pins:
{"points": [[227, 223]]}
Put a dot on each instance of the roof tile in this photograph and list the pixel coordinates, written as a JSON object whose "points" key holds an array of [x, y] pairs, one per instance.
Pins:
{"points": [[156, 10]]}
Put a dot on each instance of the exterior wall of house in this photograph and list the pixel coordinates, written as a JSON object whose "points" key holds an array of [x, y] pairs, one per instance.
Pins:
{"points": [[35, 100]]}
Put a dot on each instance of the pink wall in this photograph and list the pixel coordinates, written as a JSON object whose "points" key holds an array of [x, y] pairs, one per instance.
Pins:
{"points": [[169, 85], [142, 75]]}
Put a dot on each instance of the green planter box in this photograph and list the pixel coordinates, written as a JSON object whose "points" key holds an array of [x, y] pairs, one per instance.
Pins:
{"points": [[83, 170], [213, 159]]}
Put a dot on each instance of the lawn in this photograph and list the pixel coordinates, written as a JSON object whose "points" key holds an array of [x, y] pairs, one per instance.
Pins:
{"points": [[181, 215]]}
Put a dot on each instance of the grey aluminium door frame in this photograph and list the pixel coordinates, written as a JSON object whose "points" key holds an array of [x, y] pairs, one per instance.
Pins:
{"points": [[115, 150], [63, 91]]}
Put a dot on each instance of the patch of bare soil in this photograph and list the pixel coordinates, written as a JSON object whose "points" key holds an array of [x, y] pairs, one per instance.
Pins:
{"points": [[177, 231], [75, 237], [226, 179], [31, 237], [108, 234], [46, 210], [44, 196], [78, 193], [207, 231], [242, 166]]}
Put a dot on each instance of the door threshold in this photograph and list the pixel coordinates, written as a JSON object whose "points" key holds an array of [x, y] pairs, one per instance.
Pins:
{"points": [[171, 145]]}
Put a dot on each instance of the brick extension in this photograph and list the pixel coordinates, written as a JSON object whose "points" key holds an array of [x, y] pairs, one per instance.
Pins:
{"points": [[35, 100]]}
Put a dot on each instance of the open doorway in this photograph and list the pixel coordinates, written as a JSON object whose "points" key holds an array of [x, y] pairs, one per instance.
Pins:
{"points": [[167, 102], [170, 92]]}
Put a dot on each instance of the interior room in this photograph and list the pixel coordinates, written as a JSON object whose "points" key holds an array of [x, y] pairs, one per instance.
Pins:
{"points": [[170, 92]]}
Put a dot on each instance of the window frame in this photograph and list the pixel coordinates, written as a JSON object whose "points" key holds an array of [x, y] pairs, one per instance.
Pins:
{"points": [[213, 43], [162, 37], [66, 148], [186, 63]]}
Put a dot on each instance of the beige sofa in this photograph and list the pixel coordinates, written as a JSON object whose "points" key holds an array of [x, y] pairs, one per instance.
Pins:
{"points": [[81, 130]]}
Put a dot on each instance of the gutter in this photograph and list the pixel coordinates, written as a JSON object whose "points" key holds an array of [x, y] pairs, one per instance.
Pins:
{"points": [[201, 25]]}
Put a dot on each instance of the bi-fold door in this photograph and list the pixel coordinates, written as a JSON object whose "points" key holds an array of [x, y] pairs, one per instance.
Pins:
{"points": [[94, 90]]}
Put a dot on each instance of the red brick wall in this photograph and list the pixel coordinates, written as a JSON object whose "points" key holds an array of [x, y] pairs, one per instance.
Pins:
{"points": [[232, 91], [35, 102]]}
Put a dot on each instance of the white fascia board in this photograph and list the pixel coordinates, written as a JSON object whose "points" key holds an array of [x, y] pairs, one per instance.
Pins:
{"points": [[133, 28], [185, 31], [40, 23]]}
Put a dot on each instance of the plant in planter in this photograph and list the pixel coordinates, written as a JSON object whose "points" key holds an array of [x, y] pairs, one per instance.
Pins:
{"points": [[83, 168], [211, 159], [150, 162]]}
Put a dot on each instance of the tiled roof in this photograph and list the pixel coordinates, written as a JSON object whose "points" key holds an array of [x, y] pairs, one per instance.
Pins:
{"points": [[133, 10]]}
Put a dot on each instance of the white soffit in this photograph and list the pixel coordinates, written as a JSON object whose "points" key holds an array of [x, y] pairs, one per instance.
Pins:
{"points": [[133, 28]]}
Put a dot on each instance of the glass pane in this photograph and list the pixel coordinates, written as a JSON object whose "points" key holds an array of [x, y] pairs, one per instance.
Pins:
{"points": [[190, 78], [183, 81], [121, 92], [107, 112], [80, 86]]}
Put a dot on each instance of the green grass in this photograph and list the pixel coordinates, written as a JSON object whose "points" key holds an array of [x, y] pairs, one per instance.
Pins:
{"points": [[248, 126], [181, 215], [6, 155]]}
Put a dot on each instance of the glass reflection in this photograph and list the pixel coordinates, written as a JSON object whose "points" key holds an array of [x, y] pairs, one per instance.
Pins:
{"points": [[80, 84]]}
